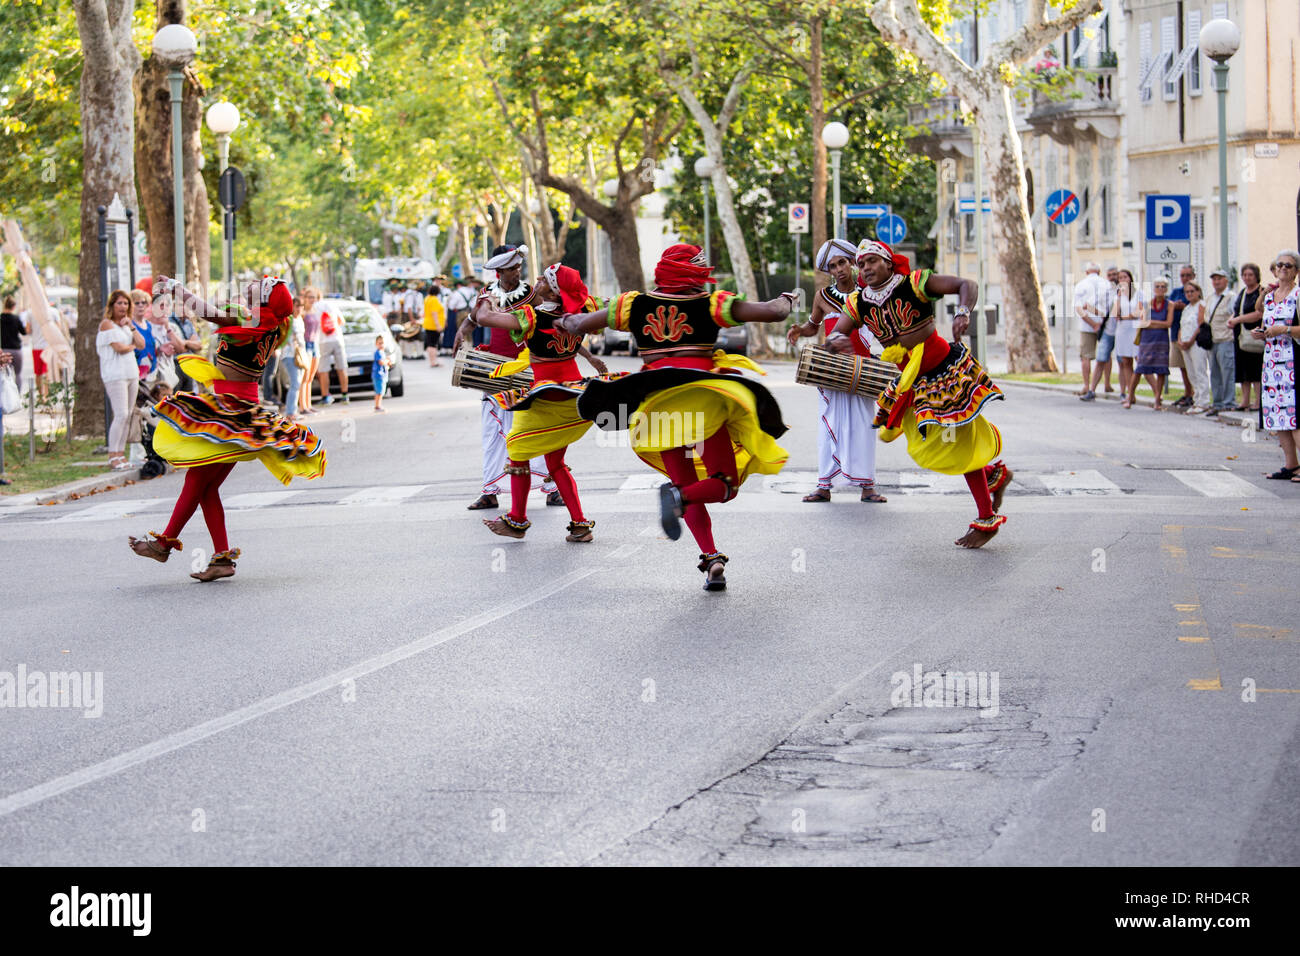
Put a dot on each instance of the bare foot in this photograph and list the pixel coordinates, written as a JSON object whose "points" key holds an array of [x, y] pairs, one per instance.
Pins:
{"points": [[975, 539], [502, 527], [997, 495]]}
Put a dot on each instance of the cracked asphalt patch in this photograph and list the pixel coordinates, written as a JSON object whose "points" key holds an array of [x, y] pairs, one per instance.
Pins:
{"points": [[907, 786]]}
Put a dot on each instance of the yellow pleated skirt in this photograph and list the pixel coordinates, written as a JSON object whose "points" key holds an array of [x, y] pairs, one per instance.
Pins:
{"points": [[953, 450], [543, 427]]}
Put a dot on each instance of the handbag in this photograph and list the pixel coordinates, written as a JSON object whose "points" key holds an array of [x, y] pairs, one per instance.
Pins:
{"points": [[1245, 341], [11, 400], [165, 371], [300, 358], [1204, 336]]}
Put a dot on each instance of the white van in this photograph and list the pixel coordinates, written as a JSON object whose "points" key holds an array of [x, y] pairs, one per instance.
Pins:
{"points": [[373, 275]]}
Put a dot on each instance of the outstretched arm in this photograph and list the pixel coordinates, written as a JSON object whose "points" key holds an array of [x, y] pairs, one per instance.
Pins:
{"points": [[600, 367], [485, 315], [773, 310], [582, 322]]}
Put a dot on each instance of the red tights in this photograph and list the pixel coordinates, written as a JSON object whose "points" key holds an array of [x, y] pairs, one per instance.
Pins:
{"points": [[719, 458], [521, 484], [202, 489]]}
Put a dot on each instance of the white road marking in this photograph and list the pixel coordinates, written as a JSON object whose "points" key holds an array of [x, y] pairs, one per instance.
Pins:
{"points": [[1220, 484], [654, 531], [193, 735], [1087, 481], [922, 483], [260, 499], [110, 510], [624, 550], [382, 495], [642, 481]]}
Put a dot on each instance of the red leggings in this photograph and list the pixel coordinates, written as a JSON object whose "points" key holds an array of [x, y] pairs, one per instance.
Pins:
{"points": [[719, 458], [202, 489], [521, 484]]}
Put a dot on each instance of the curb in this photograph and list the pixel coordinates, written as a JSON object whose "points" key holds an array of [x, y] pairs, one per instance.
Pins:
{"points": [[1233, 417], [73, 489]]}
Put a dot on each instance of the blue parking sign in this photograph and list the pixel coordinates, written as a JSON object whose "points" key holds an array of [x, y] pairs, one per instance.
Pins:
{"points": [[1169, 218]]}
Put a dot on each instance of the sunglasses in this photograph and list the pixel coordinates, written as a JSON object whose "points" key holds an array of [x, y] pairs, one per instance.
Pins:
{"points": [[1285, 265]]}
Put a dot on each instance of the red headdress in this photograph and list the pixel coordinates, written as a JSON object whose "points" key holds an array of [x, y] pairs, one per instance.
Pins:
{"points": [[270, 303], [682, 268], [568, 284], [874, 247]]}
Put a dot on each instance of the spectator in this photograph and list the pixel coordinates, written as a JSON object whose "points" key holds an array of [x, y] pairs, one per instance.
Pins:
{"points": [[379, 372], [1091, 298], [5, 361], [1153, 345], [311, 330], [1177, 303], [332, 353], [435, 322], [187, 342], [118, 343], [146, 354], [1129, 310], [390, 304], [296, 361], [413, 302], [33, 328], [1218, 313], [1278, 330], [11, 337], [1195, 359], [1247, 352], [457, 303]]}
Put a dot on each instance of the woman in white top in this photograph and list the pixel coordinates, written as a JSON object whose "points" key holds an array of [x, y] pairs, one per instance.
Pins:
{"points": [[295, 350], [1128, 310], [116, 344]]}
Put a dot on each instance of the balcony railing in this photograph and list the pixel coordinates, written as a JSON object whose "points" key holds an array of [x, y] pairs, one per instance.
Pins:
{"points": [[939, 116], [1090, 90]]}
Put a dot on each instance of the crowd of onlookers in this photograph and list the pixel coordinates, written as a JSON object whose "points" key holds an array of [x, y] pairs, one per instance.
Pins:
{"points": [[1217, 339], [429, 312]]}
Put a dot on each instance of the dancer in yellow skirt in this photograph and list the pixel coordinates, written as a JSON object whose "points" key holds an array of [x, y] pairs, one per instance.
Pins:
{"points": [[208, 434], [545, 421], [938, 399], [689, 394]]}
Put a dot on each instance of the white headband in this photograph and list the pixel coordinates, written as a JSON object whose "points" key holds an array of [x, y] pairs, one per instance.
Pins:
{"points": [[872, 247], [831, 249]]}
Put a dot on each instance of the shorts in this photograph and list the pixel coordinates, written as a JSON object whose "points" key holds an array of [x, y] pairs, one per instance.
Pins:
{"points": [[1088, 345], [310, 348], [432, 337], [332, 355], [1105, 347], [379, 383], [1175, 356]]}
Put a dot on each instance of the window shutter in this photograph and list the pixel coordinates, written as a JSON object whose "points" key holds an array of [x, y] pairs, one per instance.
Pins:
{"points": [[1167, 47]]}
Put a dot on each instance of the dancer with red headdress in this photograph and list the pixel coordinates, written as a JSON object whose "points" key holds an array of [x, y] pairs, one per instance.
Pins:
{"points": [[545, 419], [938, 399], [689, 394], [208, 434]]}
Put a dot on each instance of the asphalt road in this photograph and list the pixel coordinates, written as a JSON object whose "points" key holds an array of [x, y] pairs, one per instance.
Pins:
{"points": [[385, 682]]}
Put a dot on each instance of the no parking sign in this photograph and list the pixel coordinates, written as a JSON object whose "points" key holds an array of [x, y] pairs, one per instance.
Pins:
{"points": [[798, 217]]}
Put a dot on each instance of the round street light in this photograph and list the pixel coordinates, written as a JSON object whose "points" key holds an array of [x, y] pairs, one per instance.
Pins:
{"points": [[374, 244], [352, 249], [223, 118], [175, 45], [1220, 39], [704, 167], [611, 188], [432, 230], [835, 135]]}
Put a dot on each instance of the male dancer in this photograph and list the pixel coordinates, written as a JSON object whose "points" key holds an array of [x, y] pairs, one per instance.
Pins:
{"points": [[938, 399], [510, 293], [845, 443]]}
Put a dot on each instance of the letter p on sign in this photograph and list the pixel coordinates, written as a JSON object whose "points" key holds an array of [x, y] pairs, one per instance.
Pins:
{"points": [[1169, 218]]}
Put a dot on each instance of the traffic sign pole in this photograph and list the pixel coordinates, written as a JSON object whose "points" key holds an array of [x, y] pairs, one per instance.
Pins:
{"points": [[981, 331]]}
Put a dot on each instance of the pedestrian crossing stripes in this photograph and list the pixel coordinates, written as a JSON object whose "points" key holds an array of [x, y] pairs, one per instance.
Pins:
{"points": [[1085, 482]]}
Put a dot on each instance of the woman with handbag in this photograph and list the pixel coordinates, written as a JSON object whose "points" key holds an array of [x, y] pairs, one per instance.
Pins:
{"points": [[1248, 352], [1129, 309], [1195, 357], [1153, 345]]}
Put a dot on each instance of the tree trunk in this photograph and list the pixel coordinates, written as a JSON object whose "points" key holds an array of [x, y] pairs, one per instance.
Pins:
{"points": [[110, 62], [625, 250], [466, 251], [732, 234], [1029, 346], [153, 156], [817, 107]]}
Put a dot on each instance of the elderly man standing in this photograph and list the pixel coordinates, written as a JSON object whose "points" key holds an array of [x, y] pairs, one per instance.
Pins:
{"points": [[1091, 303], [1223, 364]]}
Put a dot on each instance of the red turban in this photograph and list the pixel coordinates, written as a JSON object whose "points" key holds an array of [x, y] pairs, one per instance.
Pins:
{"points": [[568, 284], [682, 268]]}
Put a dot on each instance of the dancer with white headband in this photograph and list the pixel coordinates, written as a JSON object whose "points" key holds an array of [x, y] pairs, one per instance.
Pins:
{"points": [[938, 399], [846, 444]]}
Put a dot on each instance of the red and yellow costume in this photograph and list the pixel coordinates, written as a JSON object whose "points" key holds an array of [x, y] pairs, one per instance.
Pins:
{"points": [[689, 393], [207, 434], [938, 399], [545, 416]]}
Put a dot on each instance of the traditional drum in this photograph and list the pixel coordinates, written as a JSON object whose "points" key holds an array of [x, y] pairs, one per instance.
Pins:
{"points": [[844, 373], [473, 368]]}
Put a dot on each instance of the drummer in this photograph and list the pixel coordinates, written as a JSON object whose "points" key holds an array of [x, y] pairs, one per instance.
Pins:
{"points": [[846, 443], [938, 400]]}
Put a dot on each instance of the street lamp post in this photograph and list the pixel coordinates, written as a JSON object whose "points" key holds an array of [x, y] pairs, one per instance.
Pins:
{"points": [[176, 45], [223, 119], [704, 167], [836, 136], [1219, 41]]}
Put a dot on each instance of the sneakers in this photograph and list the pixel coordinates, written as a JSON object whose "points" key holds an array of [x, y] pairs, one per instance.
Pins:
{"points": [[329, 400], [1089, 396]]}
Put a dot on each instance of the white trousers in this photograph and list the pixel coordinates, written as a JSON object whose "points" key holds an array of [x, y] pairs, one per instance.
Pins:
{"points": [[1197, 362], [121, 396], [496, 426], [846, 442]]}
